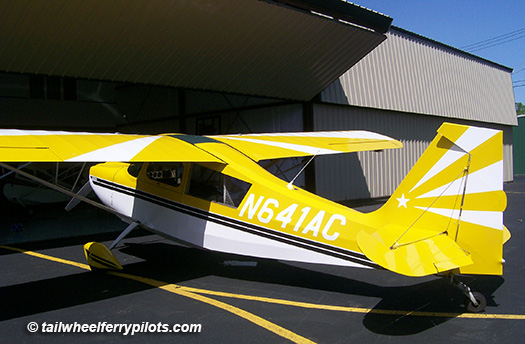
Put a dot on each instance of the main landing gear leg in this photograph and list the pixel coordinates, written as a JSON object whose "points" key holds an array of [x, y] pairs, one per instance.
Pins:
{"points": [[99, 256], [475, 302]]}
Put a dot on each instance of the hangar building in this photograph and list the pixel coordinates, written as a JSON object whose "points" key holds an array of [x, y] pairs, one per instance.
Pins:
{"points": [[240, 66]]}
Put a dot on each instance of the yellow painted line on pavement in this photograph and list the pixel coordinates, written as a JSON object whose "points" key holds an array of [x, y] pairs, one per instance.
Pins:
{"points": [[177, 289], [358, 309], [173, 288], [193, 291], [45, 256]]}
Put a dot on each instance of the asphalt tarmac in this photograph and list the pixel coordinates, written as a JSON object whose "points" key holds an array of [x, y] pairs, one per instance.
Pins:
{"points": [[202, 297]]}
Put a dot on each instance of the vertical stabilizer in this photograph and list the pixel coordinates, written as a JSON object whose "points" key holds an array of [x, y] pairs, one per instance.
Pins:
{"points": [[451, 201]]}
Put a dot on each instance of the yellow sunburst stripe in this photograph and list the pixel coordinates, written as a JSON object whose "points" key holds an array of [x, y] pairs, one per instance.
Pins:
{"points": [[487, 179], [482, 201], [416, 252], [445, 176], [452, 131], [485, 150], [440, 147], [487, 153]]}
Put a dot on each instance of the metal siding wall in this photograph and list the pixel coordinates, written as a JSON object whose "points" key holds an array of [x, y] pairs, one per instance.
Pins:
{"points": [[508, 155], [377, 174], [275, 119], [410, 74], [519, 147]]}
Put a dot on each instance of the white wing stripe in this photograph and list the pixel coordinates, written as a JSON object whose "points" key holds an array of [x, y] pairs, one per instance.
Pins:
{"points": [[124, 151], [487, 179], [353, 134], [292, 146], [492, 219], [471, 138], [450, 157]]}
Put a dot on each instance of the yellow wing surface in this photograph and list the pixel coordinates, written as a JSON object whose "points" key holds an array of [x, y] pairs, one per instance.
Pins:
{"points": [[59, 146], [448, 212], [50, 146], [288, 145]]}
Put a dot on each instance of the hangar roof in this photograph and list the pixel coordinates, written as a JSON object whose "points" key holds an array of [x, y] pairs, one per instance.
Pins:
{"points": [[286, 49]]}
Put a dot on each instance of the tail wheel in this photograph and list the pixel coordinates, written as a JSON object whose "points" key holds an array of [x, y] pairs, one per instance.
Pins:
{"points": [[480, 299]]}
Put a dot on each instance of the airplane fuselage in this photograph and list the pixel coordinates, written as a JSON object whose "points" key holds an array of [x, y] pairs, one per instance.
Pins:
{"points": [[236, 208]]}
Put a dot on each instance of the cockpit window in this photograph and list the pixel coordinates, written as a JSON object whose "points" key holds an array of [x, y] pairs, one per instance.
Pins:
{"points": [[214, 186], [134, 169], [169, 173]]}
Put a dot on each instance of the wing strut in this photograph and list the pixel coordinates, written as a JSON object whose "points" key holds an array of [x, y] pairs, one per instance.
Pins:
{"points": [[122, 235], [83, 192], [11, 172], [290, 184], [467, 170], [66, 191]]}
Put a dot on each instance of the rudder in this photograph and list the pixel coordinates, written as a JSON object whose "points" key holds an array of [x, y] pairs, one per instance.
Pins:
{"points": [[448, 211]]}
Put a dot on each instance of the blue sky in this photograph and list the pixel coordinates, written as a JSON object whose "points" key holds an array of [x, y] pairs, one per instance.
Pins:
{"points": [[463, 22]]}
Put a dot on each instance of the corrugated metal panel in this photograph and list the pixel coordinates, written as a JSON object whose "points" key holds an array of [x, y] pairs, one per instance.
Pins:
{"points": [[412, 74], [518, 136], [277, 119], [239, 46], [377, 174]]}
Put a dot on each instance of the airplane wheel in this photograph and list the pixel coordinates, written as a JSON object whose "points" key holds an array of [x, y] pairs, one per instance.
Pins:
{"points": [[482, 303]]}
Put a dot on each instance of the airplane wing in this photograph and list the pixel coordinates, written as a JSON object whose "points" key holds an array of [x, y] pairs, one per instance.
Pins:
{"points": [[61, 146], [289, 145]]}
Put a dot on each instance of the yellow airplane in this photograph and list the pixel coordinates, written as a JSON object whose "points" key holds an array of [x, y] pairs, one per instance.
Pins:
{"points": [[445, 218]]}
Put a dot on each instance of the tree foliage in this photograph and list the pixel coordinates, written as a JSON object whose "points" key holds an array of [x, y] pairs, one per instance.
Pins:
{"points": [[520, 109]]}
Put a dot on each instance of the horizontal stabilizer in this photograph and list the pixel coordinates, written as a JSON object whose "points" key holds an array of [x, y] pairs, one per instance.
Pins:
{"points": [[414, 253], [506, 234]]}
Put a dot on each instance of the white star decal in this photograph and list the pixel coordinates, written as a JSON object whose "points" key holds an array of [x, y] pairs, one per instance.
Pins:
{"points": [[402, 201]]}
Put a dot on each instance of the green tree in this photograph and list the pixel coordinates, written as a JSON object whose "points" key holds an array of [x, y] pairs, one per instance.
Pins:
{"points": [[520, 109]]}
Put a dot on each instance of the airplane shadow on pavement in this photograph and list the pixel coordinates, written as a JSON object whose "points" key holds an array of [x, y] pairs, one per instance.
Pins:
{"points": [[177, 264]]}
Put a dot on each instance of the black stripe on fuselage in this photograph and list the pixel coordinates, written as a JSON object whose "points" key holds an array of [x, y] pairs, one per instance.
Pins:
{"points": [[239, 225]]}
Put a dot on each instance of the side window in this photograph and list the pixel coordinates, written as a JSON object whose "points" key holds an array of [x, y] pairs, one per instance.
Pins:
{"points": [[134, 169], [169, 173], [214, 186]]}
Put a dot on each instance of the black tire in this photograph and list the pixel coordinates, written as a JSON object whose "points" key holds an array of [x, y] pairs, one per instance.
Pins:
{"points": [[482, 303]]}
